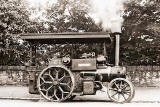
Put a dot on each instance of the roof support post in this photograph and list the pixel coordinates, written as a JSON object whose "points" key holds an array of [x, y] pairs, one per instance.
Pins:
{"points": [[33, 55], [32, 73], [104, 49]]}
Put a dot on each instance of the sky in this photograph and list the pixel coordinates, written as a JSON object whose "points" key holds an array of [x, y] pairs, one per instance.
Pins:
{"points": [[42, 3], [107, 12], [39, 8]]}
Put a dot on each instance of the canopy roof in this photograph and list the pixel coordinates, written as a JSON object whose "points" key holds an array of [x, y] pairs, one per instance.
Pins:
{"points": [[72, 37]]}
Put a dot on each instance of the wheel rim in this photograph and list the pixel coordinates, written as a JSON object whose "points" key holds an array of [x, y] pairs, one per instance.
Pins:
{"points": [[55, 83], [120, 90]]}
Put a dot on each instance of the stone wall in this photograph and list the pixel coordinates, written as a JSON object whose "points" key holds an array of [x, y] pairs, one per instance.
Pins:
{"points": [[13, 75], [140, 75]]}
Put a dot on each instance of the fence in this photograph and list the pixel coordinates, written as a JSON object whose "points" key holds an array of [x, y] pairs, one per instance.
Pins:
{"points": [[139, 75]]}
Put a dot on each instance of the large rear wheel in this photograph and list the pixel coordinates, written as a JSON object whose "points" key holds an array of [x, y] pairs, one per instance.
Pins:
{"points": [[121, 90], [56, 83]]}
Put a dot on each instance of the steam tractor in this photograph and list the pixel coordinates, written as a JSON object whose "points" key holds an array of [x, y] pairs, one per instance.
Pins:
{"points": [[80, 73]]}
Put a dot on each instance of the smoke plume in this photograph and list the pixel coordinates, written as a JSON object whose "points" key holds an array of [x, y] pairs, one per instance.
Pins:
{"points": [[108, 13]]}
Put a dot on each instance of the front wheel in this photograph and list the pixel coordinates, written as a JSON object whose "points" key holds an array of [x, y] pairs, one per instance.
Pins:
{"points": [[121, 90]]}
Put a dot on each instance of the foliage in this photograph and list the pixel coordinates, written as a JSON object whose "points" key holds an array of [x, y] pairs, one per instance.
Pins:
{"points": [[67, 16], [141, 33], [14, 21]]}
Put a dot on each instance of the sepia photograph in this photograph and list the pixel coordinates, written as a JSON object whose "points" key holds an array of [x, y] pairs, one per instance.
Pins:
{"points": [[79, 53]]}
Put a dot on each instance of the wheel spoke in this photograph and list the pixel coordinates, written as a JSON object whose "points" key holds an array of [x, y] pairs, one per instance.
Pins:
{"points": [[49, 87], [121, 84], [42, 79], [65, 92], [42, 84], [55, 91], [127, 92], [61, 91], [118, 96], [48, 82], [43, 90], [114, 94], [67, 77], [62, 78], [47, 93], [57, 73], [50, 75], [116, 85], [45, 74], [125, 86], [65, 84], [68, 85], [123, 96], [49, 72], [114, 89]]}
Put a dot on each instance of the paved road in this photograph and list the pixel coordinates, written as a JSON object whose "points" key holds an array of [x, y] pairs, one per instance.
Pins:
{"points": [[142, 95], [27, 103]]}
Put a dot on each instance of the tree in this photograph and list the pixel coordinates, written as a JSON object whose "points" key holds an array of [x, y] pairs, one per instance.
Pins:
{"points": [[14, 21], [140, 33], [70, 16], [66, 16]]}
